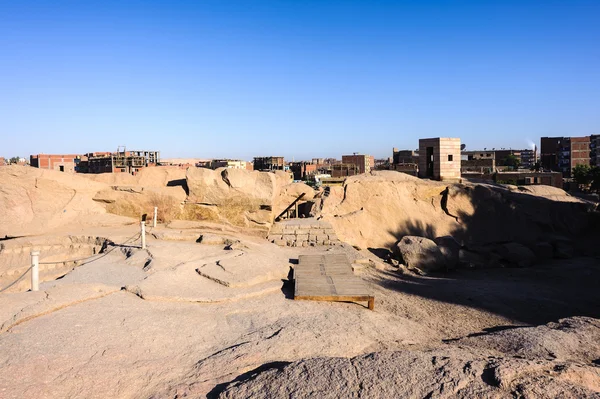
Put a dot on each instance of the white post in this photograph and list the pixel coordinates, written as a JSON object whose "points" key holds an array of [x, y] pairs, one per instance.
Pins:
{"points": [[155, 215], [143, 225], [35, 270]]}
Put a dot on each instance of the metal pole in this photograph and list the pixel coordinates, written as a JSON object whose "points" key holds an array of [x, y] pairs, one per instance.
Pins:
{"points": [[35, 270], [155, 215], [143, 225]]}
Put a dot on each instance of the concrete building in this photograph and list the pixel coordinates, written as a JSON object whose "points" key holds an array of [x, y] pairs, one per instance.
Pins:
{"points": [[400, 157], [152, 157], [478, 155], [405, 161], [383, 164], [439, 158], [269, 163], [481, 165], [562, 154], [364, 163], [119, 161], [62, 163], [228, 163], [502, 155], [529, 158], [554, 179]]}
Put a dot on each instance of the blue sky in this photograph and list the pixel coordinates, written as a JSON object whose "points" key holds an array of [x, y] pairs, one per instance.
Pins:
{"points": [[300, 79]]}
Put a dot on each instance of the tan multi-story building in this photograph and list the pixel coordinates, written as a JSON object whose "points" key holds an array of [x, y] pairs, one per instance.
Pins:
{"points": [[439, 158]]}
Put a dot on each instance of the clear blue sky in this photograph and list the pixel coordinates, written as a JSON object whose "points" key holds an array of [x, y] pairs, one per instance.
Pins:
{"points": [[295, 78]]}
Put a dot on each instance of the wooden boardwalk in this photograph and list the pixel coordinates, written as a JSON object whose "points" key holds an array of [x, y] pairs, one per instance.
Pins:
{"points": [[329, 277]]}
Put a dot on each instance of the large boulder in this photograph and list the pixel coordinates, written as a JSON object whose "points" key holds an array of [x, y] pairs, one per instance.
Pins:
{"points": [[517, 254], [236, 196], [471, 260], [450, 248], [421, 255]]}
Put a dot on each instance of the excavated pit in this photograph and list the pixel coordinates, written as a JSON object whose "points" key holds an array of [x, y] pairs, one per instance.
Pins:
{"points": [[58, 256]]}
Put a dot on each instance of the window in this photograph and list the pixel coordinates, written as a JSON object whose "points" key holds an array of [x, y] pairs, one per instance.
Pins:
{"points": [[449, 157]]}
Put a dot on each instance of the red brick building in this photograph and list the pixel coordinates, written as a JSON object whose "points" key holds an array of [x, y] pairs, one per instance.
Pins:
{"points": [[564, 153], [62, 163], [364, 163], [580, 151], [302, 170]]}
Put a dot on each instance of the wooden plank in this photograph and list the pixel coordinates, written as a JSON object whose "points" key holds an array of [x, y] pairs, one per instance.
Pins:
{"points": [[329, 277]]}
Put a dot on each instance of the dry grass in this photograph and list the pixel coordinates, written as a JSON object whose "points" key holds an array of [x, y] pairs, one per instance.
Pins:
{"points": [[136, 205], [199, 212], [235, 208], [124, 208], [168, 207]]}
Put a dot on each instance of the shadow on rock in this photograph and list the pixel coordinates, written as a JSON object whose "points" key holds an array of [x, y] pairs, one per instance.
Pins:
{"points": [[245, 377]]}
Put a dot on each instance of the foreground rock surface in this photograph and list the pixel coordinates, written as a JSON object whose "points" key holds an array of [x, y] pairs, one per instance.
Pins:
{"points": [[458, 372]]}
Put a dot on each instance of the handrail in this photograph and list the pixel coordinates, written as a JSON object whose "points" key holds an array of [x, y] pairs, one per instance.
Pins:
{"points": [[278, 218]]}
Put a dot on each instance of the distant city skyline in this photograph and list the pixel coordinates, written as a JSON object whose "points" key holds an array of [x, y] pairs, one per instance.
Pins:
{"points": [[302, 80]]}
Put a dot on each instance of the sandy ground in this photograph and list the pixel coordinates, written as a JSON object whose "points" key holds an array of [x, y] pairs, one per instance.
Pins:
{"points": [[140, 324]]}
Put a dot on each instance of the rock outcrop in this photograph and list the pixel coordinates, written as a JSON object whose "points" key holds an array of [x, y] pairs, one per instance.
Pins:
{"points": [[239, 197], [556, 360], [33, 201], [376, 210]]}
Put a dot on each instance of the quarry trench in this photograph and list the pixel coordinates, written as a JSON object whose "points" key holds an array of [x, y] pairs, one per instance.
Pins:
{"points": [[58, 256]]}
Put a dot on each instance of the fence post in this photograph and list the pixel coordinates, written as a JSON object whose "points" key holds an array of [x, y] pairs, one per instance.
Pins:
{"points": [[35, 270], [155, 215], [143, 225]]}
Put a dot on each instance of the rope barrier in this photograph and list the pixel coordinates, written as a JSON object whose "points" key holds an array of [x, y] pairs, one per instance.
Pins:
{"points": [[99, 256], [15, 282], [89, 257]]}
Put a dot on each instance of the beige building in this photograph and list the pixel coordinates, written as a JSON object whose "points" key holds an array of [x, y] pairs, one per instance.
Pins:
{"points": [[439, 158], [228, 163]]}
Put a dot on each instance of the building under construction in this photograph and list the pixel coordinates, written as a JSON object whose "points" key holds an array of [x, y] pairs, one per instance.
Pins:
{"points": [[121, 161], [269, 163]]}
